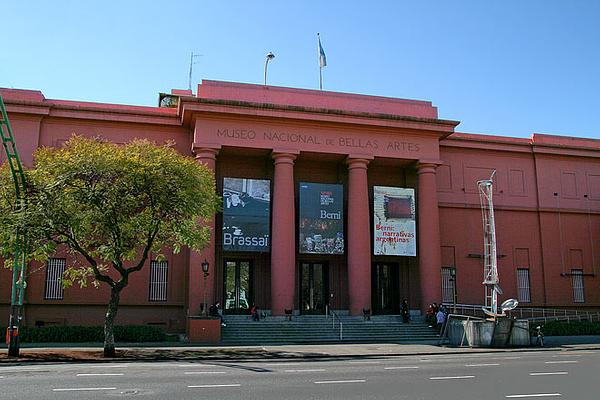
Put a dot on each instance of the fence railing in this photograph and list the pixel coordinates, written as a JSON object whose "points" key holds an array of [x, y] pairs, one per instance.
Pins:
{"points": [[530, 313]]}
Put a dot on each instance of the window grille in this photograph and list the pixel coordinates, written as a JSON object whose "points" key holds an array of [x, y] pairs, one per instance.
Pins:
{"points": [[523, 285], [577, 282], [448, 284], [158, 280], [54, 271]]}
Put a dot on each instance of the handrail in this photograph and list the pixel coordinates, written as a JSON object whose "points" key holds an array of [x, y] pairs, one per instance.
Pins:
{"points": [[334, 315], [531, 313]]}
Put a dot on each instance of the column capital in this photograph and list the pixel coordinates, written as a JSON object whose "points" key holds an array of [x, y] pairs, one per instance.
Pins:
{"points": [[359, 162], [204, 150], [427, 166], [284, 157]]}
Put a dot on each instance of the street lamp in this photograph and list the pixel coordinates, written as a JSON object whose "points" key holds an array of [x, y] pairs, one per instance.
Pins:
{"points": [[453, 280], [205, 266], [270, 56]]}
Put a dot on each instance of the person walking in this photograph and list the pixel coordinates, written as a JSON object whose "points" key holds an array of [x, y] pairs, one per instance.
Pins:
{"points": [[404, 312], [440, 319]]}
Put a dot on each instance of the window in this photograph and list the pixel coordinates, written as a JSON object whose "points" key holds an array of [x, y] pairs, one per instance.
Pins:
{"points": [[158, 280], [54, 272], [577, 282], [523, 287], [448, 284]]}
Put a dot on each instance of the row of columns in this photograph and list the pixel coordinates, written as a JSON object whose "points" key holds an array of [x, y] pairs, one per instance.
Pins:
{"points": [[358, 244]]}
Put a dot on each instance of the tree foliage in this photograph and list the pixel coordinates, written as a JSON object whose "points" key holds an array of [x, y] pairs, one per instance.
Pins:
{"points": [[111, 205]]}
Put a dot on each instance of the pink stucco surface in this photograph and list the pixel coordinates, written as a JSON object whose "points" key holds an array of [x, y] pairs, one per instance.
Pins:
{"points": [[546, 195]]}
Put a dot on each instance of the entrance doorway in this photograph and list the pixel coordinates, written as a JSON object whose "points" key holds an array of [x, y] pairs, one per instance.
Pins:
{"points": [[384, 279], [314, 287], [238, 281]]}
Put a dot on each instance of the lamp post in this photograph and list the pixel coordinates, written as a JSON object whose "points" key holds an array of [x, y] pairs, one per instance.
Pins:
{"points": [[205, 266], [270, 56], [453, 280]]}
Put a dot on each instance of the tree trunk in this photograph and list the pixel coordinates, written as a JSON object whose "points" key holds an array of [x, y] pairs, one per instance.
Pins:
{"points": [[109, 322]]}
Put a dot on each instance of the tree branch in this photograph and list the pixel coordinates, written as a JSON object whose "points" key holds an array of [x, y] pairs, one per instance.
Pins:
{"points": [[151, 236]]}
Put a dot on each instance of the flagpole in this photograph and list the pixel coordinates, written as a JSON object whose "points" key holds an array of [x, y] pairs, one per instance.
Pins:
{"points": [[320, 68]]}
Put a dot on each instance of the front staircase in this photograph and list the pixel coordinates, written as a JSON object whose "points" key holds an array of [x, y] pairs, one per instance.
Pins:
{"points": [[319, 329]]}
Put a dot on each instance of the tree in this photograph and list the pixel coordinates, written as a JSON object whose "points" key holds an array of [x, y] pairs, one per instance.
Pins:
{"points": [[111, 206]]}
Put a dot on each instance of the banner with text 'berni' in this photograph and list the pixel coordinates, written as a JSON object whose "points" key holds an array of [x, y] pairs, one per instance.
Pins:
{"points": [[321, 218], [246, 211], [394, 221]]}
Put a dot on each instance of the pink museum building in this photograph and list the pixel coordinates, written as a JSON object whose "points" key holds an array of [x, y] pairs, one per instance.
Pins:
{"points": [[334, 201]]}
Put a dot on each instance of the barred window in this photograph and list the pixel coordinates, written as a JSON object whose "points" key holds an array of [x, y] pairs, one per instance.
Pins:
{"points": [[54, 272], [523, 285], [159, 272], [577, 282], [448, 284]]}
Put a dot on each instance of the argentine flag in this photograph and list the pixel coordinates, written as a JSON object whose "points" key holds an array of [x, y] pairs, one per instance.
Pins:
{"points": [[322, 58]]}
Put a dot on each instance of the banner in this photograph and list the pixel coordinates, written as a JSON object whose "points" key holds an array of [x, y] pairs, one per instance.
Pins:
{"points": [[394, 221], [321, 218], [246, 214]]}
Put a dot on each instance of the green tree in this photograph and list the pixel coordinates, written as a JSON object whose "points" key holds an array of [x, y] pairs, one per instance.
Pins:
{"points": [[111, 206]]}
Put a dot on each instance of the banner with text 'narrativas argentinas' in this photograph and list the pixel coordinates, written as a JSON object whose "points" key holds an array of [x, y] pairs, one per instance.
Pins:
{"points": [[246, 212], [394, 223], [321, 218]]}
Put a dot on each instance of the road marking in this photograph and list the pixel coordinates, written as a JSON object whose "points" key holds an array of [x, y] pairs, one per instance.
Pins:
{"points": [[411, 367], [196, 365], [520, 396], [452, 377], [203, 372], [548, 373], [215, 386], [346, 381], [511, 358], [562, 362], [82, 389], [304, 370], [482, 365], [100, 374], [108, 366], [364, 362], [282, 364]]}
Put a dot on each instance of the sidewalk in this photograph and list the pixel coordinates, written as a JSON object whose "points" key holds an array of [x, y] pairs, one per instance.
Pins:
{"points": [[160, 352]]}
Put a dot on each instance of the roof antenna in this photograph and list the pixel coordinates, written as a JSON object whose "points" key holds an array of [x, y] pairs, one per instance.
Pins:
{"points": [[192, 57]]}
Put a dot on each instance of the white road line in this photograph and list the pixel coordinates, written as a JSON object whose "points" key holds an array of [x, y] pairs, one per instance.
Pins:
{"points": [[548, 373], [215, 386], [304, 370], [511, 358], [346, 381], [282, 364], [364, 362], [434, 378], [204, 372], [83, 389], [99, 374], [482, 365], [196, 365], [562, 362], [108, 366], [410, 367], [521, 396]]}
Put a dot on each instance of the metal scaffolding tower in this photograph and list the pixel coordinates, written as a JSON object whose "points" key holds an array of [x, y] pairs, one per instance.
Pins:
{"points": [[20, 263], [490, 259]]}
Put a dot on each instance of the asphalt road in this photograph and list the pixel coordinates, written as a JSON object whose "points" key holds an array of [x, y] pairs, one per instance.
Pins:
{"points": [[515, 375]]}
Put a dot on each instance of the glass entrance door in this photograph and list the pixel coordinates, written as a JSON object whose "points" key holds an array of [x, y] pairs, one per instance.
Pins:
{"points": [[314, 287], [385, 288], [238, 287]]}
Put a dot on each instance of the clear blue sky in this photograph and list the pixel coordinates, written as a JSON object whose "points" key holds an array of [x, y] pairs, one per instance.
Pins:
{"points": [[505, 68]]}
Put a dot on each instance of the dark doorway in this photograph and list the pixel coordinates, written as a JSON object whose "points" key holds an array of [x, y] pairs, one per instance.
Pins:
{"points": [[238, 282], [384, 279], [314, 287]]}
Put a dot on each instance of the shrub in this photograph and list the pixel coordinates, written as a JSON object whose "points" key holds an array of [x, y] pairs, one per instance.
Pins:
{"points": [[574, 328], [81, 334]]}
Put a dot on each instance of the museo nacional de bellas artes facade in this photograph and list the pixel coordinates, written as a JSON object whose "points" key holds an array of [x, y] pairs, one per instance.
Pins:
{"points": [[334, 200]]}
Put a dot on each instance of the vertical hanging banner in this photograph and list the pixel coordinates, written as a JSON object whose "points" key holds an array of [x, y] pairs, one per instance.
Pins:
{"points": [[394, 221], [246, 212], [321, 220]]}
